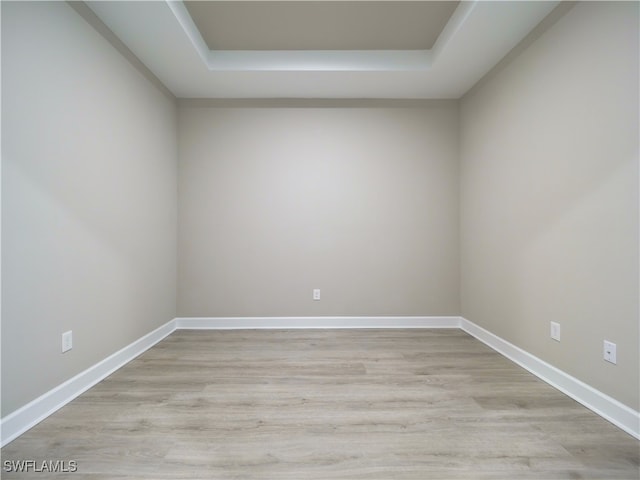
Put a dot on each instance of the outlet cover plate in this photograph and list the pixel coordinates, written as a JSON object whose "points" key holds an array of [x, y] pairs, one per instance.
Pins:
{"points": [[67, 341], [555, 331], [610, 353]]}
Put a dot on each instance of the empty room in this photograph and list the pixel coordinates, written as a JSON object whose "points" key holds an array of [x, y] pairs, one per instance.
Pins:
{"points": [[320, 240]]}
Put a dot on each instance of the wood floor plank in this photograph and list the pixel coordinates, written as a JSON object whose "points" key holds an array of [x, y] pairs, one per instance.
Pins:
{"points": [[326, 404]]}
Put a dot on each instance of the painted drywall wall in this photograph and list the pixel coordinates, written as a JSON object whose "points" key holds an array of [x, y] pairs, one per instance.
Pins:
{"points": [[549, 197], [361, 203], [88, 199]]}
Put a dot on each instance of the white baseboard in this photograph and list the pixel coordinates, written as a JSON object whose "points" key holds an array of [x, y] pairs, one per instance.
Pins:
{"points": [[607, 407], [18, 422], [239, 323], [26, 417]]}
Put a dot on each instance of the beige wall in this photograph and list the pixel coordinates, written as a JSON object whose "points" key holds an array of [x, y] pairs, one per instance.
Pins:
{"points": [[549, 202], [359, 202], [88, 200]]}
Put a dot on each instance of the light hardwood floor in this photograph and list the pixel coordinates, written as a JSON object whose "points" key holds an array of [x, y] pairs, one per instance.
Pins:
{"points": [[326, 404]]}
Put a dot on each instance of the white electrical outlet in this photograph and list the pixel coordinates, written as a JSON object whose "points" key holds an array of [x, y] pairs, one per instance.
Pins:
{"points": [[316, 294], [67, 341], [610, 352], [555, 331]]}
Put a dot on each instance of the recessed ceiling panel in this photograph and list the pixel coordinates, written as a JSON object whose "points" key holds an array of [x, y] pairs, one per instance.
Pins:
{"points": [[320, 25]]}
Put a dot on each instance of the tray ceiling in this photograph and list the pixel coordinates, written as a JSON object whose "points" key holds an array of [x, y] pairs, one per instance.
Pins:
{"points": [[320, 49], [317, 25]]}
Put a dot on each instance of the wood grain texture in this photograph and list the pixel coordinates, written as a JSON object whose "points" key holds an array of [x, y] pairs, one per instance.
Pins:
{"points": [[326, 404]]}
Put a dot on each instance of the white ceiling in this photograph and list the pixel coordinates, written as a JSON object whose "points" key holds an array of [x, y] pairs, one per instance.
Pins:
{"points": [[165, 38]]}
